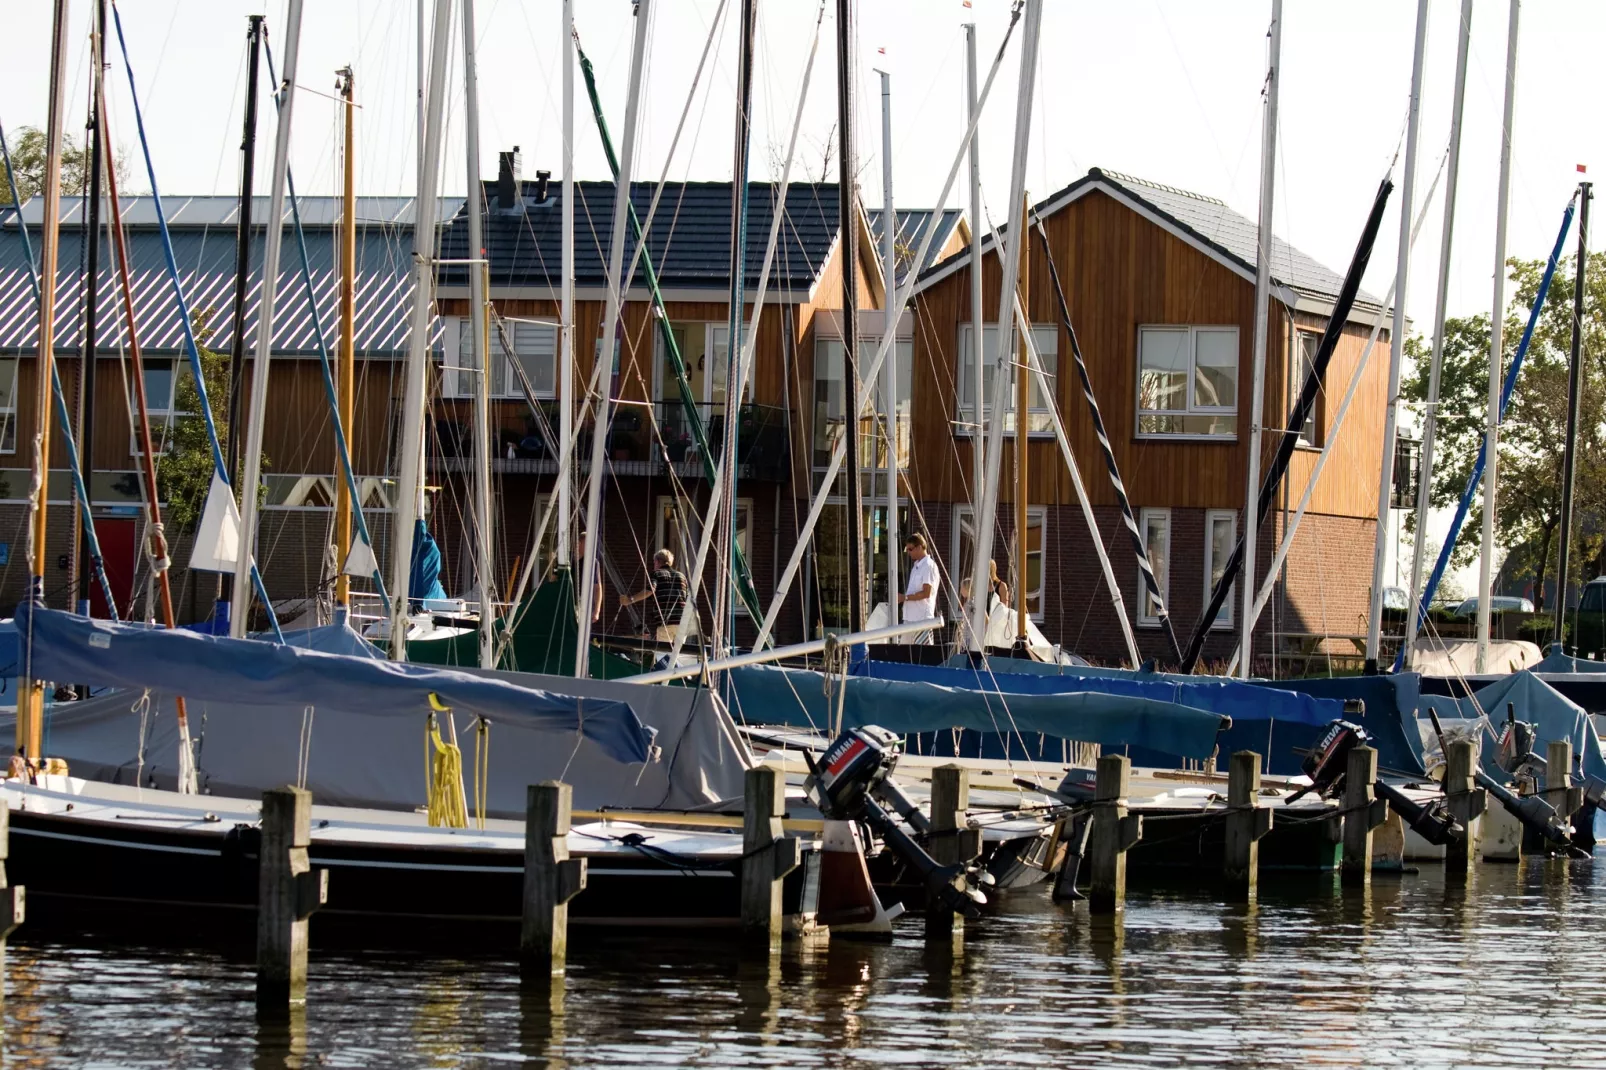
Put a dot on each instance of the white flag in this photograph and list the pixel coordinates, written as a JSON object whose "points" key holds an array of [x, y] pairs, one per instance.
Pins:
{"points": [[217, 543], [361, 560]]}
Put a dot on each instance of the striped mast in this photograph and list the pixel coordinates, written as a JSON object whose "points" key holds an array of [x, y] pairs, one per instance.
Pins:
{"points": [[1139, 549]]}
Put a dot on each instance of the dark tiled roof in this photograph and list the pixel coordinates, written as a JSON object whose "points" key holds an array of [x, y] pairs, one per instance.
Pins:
{"points": [[203, 245], [689, 242], [912, 224]]}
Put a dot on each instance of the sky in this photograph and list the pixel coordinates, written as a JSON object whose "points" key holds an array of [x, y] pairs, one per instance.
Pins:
{"points": [[1167, 90]]}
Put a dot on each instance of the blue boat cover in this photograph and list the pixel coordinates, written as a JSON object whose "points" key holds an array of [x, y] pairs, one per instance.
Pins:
{"points": [[425, 579], [1553, 715], [67, 647], [1563, 663], [771, 695]]}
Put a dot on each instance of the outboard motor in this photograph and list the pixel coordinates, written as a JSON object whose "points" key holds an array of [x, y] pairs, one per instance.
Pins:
{"points": [[1329, 759], [1433, 822], [1517, 755], [1534, 813], [846, 782]]}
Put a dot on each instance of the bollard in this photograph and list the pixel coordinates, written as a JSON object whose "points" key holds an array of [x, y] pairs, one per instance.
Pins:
{"points": [[13, 902], [768, 854], [951, 841], [288, 891], [1247, 822], [1558, 792], [1467, 802], [551, 879], [1363, 812], [1114, 832]]}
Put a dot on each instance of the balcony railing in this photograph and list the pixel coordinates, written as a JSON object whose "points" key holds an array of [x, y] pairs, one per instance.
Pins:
{"points": [[644, 440]]}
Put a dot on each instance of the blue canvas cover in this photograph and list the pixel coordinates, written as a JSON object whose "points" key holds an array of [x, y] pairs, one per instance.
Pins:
{"points": [[67, 647], [1565, 664], [424, 582], [770, 695], [1552, 714]]}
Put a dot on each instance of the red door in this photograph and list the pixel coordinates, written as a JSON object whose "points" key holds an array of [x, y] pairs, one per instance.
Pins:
{"points": [[119, 550]]}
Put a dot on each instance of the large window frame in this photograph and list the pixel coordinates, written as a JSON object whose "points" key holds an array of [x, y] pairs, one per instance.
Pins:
{"points": [[1039, 404], [161, 405], [964, 534], [669, 511], [1155, 524], [1196, 418], [1227, 519], [1301, 358], [535, 349]]}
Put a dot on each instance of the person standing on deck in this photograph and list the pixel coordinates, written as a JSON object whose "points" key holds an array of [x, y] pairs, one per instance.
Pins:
{"points": [[919, 599], [668, 594]]}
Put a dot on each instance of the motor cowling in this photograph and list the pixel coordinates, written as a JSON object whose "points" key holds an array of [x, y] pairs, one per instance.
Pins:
{"points": [[1327, 762]]}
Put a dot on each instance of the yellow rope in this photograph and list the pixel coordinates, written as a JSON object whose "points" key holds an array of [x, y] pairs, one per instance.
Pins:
{"points": [[443, 769], [482, 769]]}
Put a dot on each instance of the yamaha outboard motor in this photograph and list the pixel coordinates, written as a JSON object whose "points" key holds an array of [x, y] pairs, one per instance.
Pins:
{"points": [[1329, 759], [846, 782], [1517, 755]]}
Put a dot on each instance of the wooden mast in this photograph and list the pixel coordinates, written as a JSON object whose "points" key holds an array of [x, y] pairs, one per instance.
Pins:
{"points": [[347, 382]]}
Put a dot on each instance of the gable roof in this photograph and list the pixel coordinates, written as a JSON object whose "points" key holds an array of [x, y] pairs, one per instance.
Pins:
{"points": [[911, 230], [690, 238], [1208, 224]]}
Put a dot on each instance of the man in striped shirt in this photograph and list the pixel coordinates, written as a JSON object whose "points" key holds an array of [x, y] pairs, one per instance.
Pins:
{"points": [[667, 592]]}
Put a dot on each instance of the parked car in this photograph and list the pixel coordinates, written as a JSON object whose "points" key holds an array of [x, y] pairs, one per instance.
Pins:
{"points": [[1589, 627], [1500, 603]]}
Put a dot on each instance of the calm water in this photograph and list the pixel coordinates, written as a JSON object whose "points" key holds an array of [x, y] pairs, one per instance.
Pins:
{"points": [[1508, 973]]}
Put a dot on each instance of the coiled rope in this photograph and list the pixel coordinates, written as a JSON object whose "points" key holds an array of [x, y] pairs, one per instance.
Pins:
{"points": [[443, 774]]}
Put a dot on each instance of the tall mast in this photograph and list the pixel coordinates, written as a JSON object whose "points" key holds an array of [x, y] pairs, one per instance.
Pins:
{"points": [[1385, 482], [1574, 389], [889, 370], [610, 332], [348, 342], [1430, 422], [262, 352], [978, 440], [1497, 325], [1257, 392], [1004, 361], [848, 220], [1022, 430], [410, 456], [479, 313], [30, 706], [242, 283], [86, 383], [724, 630], [566, 310]]}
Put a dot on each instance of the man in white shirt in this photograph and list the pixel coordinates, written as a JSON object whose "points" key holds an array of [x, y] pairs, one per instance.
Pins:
{"points": [[919, 599]]}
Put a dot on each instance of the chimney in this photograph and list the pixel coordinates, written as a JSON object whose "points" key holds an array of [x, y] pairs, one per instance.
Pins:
{"points": [[507, 179], [542, 178]]}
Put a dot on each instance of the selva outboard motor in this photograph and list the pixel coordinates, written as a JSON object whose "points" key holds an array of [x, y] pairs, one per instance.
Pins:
{"points": [[846, 781], [1327, 762]]}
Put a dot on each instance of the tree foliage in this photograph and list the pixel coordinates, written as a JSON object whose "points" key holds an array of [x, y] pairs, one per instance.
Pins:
{"points": [[1528, 506], [27, 147]]}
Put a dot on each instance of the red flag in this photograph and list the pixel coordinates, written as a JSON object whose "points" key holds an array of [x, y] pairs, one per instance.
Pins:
{"points": [[1583, 170]]}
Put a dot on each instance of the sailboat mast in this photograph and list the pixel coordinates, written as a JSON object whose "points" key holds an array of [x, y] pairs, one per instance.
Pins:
{"points": [[410, 457], [1391, 415], [1257, 392], [262, 352], [1022, 436], [848, 221], [30, 705], [348, 342], [610, 334], [1497, 324], [242, 284], [479, 313], [1430, 421], [86, 382], [1575, 373], [889, 370], [978, 440], [566, 383]]}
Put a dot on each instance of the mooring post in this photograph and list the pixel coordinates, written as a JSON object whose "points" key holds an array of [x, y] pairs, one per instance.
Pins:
{"points": [[1114, 831], [1466, 802], [1247, 823], [951, 840], [288, 891], [1558, 792], [768, 854], [1363, 812], [551, 879], [13, 900]]}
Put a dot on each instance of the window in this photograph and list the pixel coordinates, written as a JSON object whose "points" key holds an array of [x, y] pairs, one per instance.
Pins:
{"points": [[1302, 360], [830, 401], [8, 405], [1221, 535], [678, 533], [1188, 381], [1039, 418], [161, 379], [1156, 527], [964, 554], [535, 352]]}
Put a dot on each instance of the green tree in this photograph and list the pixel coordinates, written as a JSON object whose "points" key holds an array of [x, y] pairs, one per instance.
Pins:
{"points": [[27, 147], [1534, 430]]}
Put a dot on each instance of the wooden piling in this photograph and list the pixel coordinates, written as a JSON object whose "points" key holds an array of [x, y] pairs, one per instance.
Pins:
{"points": [[288, 891], [1247, 823], [1558, 791], [551, 879], [951, 840], [1466, 802], [13, 899], [1363, 812], [1114, 831], [768, 854]]}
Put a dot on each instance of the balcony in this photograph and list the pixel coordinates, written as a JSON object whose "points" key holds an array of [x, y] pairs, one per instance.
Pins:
{"points": [[646, 440]]}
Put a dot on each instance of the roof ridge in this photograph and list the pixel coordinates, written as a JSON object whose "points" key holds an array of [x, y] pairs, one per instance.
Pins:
{"points": [[1136, 181]]}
